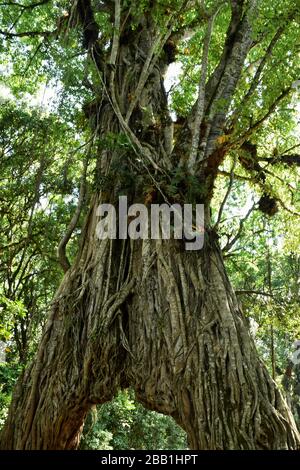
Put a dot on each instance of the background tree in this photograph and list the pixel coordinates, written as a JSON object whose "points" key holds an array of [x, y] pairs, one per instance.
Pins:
{"points": [[148, 314]]}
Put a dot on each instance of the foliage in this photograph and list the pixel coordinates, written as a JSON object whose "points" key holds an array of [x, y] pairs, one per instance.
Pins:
{"points": [[38, 192], [9, 372], [264, 266], [125, 424]]}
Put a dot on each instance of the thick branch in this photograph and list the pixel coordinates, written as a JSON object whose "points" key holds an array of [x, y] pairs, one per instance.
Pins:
{"points": [[201, 95], [115, 45], [85, 15], [227, 85], [236, 17], [147, 69], [220, 86]]}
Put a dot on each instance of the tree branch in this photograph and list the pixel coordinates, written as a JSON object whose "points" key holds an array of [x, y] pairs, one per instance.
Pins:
{"points": [[27, 34], [236, 176], [116, 38], [231, 179], [270, 111], [147, 69], [253, 292], [201, 94], [220, 86], [61, 250], [236, 17], [288, 160], [226, 87], [256, 78], [24, 7], [232, 242]]}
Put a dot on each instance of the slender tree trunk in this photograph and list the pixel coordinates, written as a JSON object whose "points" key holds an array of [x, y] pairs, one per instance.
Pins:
{"points": [[148, 314]]}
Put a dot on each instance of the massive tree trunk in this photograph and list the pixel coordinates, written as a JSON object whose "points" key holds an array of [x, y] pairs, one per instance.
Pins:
{"points": [[148, 314]]}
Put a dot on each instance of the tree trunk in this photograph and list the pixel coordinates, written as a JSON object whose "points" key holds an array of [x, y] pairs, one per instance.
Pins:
{"points": [[147, 314]]}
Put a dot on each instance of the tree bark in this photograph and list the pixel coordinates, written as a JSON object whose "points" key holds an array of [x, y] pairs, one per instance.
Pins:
{"points": [[150, 316], [147, 314]]}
